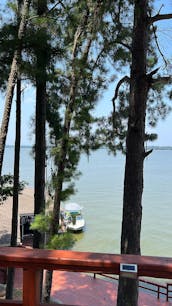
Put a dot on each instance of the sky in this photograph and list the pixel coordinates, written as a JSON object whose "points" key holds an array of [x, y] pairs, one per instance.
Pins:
{"points": [[163, 128]]}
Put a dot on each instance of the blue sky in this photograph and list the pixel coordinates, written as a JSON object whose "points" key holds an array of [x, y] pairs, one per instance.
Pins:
{"points": [[164, 127]]}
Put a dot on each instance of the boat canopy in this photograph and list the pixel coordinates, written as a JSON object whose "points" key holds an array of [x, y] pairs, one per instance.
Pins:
{"points": [[73, 207]]}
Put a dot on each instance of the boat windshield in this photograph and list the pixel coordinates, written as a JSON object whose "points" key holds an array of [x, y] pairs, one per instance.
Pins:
{"points": [[79, 217]]}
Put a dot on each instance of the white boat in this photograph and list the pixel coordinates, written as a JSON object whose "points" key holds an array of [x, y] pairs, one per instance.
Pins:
{"points": [[73, 217]]}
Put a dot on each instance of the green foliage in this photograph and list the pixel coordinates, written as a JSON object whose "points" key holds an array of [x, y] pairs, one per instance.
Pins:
{"points": [[91, 40], [8, 33], [68, 189], [156, 107], [6, 187], [151, 137], [12, 6], [41, 222], [61, 241], [64, 241]]}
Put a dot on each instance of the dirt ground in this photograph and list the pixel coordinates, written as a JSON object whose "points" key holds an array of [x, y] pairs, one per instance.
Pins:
{"points": [[26, 205]]}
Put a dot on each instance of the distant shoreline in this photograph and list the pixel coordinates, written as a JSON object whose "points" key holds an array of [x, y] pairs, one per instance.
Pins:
{"points": [[148, 147], [160, 148]]}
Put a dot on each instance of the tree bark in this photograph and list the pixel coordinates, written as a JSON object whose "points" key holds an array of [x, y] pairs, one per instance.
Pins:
{"points": [[135, 152], [40, 120], [40, 145], [66, 130], [39, 196], [11, 83], [59, 182], [11, 271]]}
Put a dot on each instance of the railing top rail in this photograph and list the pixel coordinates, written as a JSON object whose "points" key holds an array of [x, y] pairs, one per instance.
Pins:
{"points": [[84, 261]]}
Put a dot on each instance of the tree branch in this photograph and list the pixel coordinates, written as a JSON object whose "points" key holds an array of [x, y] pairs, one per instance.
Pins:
{"points": [[152, 73], [123, 80], [125, 45], [160, 9], [159, 17], [156, 41], [146, 153], [59, 2], [162, 80]]}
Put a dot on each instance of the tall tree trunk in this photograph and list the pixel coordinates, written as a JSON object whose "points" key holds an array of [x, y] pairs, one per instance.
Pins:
{"points": [[14, 227], [40, 146], [11, 83], [135, 152], [11, 271], [83, 34], [65, 140], [39, 199], [59, 183]]}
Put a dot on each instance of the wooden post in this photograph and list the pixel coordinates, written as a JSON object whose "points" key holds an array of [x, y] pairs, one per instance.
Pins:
{"points": [[168, 295], [158, 292], [31, 287]]}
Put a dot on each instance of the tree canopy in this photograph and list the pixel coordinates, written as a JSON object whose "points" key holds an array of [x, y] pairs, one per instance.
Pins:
{"points": [[69, 52]]}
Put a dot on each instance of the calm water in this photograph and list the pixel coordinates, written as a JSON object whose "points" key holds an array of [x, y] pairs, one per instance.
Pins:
{"points": [[100, 192]]}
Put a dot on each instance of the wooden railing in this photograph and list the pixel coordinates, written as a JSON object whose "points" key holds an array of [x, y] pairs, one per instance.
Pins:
{"points": [[32, 261], [169, 292], [159, 290]]}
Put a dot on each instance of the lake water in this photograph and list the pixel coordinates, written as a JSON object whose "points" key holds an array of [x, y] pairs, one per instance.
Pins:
{"points": [[100, 192]]}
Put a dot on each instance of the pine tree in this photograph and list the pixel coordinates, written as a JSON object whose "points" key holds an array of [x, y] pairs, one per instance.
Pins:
{"points": [[78, 87], [11, 82], [40, 119], [140, 83], [11, 271]]}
